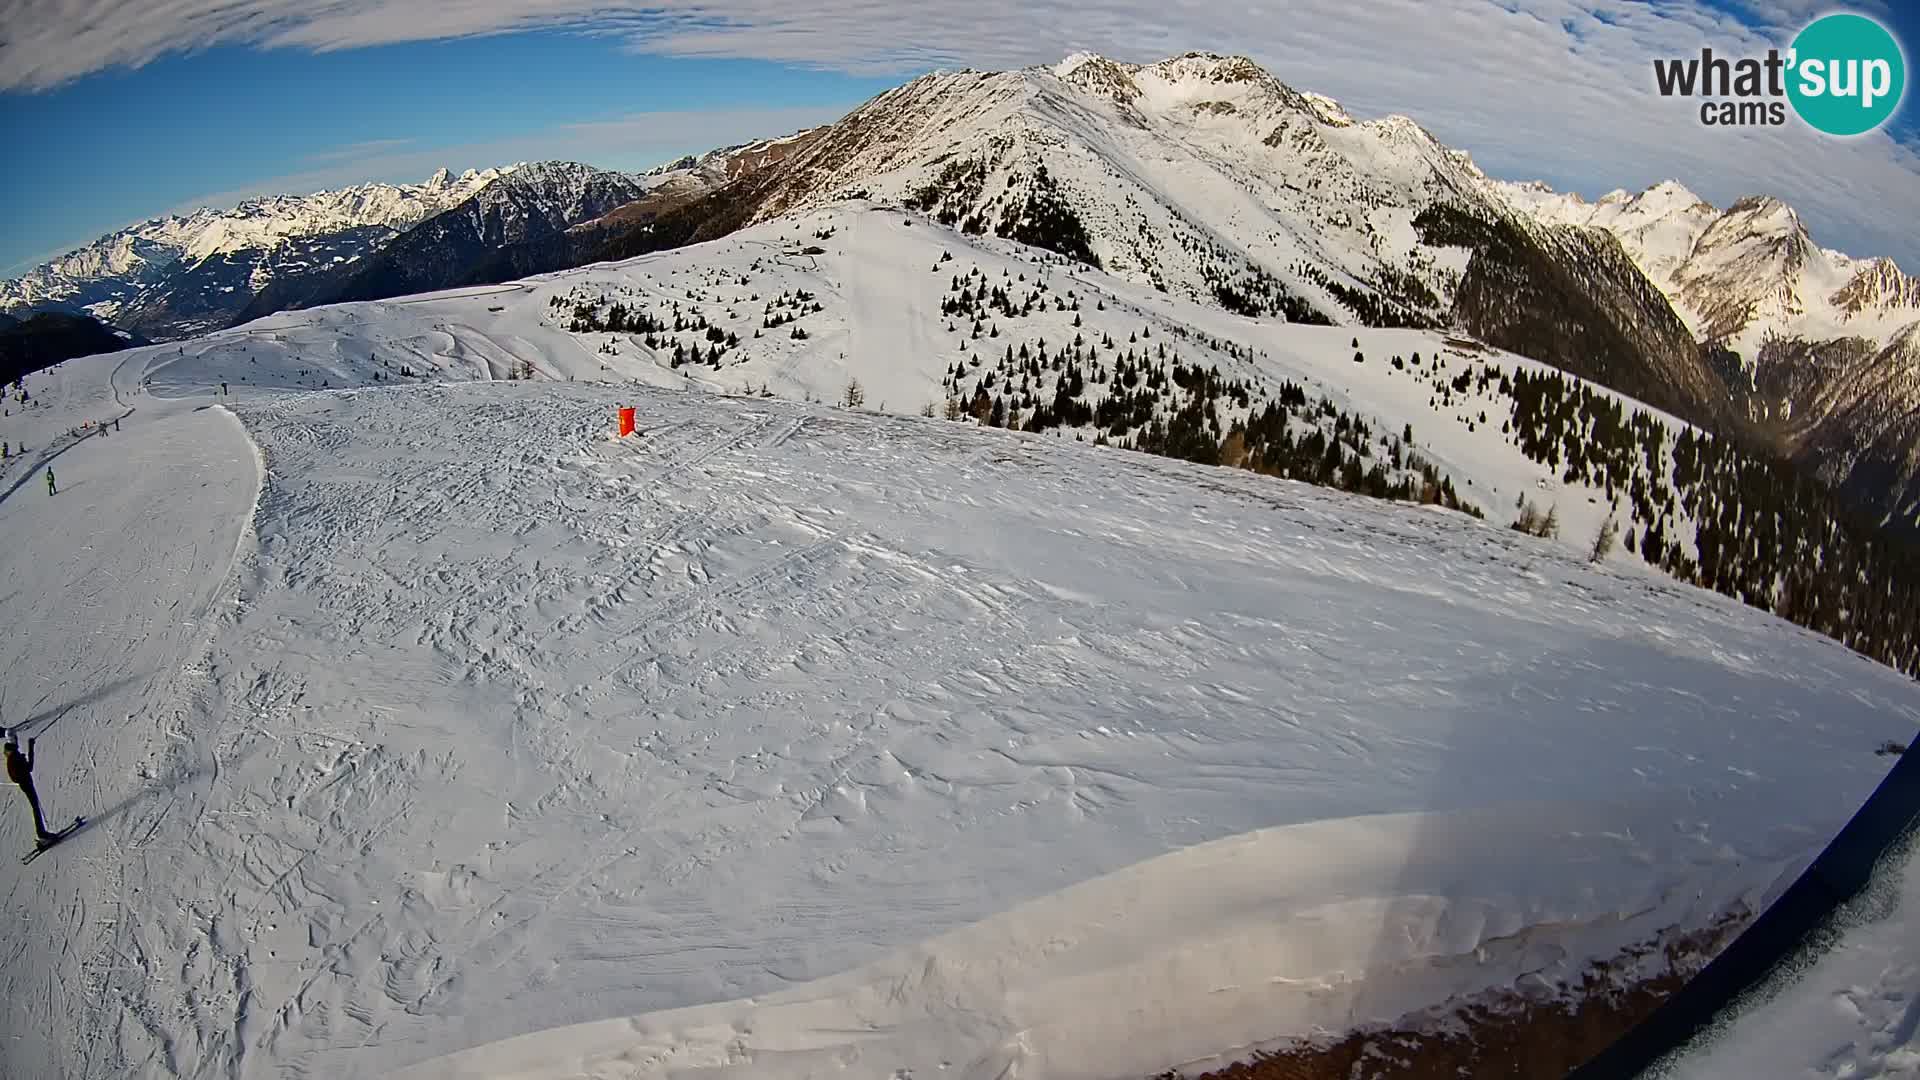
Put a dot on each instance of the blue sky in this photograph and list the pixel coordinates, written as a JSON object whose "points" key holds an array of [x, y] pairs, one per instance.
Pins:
{"points": [[120, 146], [175, 103]]}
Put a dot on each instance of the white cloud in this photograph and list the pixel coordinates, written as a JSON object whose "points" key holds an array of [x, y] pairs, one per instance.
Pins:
{"points": [[1560, 89], [357, 151]]}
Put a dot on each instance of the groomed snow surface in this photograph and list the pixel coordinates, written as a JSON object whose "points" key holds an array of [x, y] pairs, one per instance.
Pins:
{"points": [[786, 741]]}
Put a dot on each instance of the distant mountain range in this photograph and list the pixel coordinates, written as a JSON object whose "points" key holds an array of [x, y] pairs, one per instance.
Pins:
{"points": [[518, 224], [1820, 350], [1201, 175], [175, 276]]}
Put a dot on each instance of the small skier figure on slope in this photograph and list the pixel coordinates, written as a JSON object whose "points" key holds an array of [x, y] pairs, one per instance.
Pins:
{"points": [[50, 490], [20, 771]]}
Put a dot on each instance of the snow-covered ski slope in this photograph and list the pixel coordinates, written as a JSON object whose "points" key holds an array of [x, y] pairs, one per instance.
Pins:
{"points": [[415, 717], [879, 279]]}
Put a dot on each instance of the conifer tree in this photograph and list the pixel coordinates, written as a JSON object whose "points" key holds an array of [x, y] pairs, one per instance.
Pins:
{"points": [[1603, 540]]}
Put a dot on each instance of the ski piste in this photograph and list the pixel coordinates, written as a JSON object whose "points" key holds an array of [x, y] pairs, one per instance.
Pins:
{"points": [[53, 843]]}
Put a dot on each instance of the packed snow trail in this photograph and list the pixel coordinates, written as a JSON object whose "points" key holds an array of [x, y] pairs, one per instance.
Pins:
{"points": [[107, 589]]}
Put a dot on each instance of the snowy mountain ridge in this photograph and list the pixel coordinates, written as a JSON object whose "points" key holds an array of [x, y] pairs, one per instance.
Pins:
{"points": [[103, 277], [563, 187], [1202, 150], [518, 224], [1823, 344], [1205, 177], [1736, 275], [1314, 184], [1741, 275]]}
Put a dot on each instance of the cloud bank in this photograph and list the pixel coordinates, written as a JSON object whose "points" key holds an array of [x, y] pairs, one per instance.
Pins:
{"points": [[1556, 89]]}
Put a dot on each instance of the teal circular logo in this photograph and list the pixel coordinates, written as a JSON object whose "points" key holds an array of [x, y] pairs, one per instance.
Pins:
{"points": [[1846, 74]]}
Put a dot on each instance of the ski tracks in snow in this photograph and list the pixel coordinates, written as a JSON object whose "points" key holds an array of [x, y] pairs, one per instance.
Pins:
{"points": [[113, 582], [509, 724]]}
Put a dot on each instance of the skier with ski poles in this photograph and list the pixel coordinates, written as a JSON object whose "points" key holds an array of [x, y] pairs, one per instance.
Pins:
{"points": [[20, 771]]}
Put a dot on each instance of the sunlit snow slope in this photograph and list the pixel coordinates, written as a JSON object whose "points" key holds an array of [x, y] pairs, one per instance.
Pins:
{"points": [[476, 722], [856, 293]]}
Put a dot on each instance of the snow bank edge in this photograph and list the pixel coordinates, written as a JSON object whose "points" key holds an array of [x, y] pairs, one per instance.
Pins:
{"points": [[1299, 929]]}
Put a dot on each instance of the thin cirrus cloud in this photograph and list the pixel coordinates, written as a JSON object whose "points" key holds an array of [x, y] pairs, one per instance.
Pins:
{"points": [[360, 151], [623, 142], [1560, 89]]}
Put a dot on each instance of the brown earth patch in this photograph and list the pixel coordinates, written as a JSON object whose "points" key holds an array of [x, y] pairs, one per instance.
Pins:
{"points": [[1500, 1035]]}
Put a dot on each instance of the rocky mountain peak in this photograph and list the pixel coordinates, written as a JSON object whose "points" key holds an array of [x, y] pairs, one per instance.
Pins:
{"points": [[1671, 195], [1210, 67], [1098, 75], [1878, 284]]}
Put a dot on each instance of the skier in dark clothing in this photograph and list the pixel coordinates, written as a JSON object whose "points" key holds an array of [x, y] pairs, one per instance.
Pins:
{"points": [[20, 771], [50, 490]]}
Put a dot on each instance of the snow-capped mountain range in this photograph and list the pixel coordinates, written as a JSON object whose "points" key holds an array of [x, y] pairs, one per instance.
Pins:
{"points": [[1223, 146], [230, 254], [1742, 274], [1206, 177], [515, 225], [1824, 347], [1201, 175]]}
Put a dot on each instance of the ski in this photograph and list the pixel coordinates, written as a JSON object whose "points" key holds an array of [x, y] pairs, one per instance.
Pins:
{"points": [[50, 844]]}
